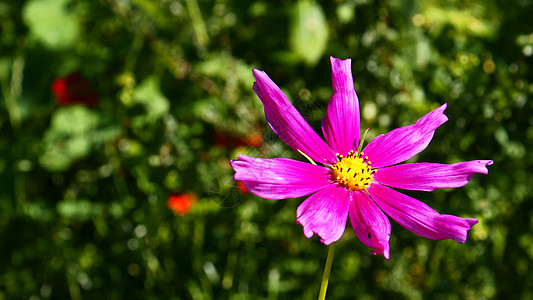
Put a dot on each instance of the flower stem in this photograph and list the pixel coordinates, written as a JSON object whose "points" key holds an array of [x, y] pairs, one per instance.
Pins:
{"points": [[327, 269], [307, 156]]}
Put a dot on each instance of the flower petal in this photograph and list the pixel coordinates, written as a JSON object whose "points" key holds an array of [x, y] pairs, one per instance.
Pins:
{"points": [[370, 224], [287, 122], [430, 176], [279, 178], [341, 123], [325, 213], [419, 218], [405, 142]]}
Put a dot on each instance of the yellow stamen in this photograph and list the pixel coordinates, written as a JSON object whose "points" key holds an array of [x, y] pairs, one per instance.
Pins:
{"points": [[353, 171]]}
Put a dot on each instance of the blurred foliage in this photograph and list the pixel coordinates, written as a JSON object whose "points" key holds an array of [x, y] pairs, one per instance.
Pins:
{"points": [[83, 203]]}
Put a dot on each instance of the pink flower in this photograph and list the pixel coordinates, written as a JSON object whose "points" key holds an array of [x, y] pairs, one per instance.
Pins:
{"points": [[349, 183]]}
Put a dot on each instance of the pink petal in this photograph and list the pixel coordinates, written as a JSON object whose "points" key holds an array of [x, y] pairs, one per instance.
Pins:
{"points": [[405, 142], [370, 224], [430, 176], [287, 122], [341, 123], [325, 213], [419, 218], [279, 178]]}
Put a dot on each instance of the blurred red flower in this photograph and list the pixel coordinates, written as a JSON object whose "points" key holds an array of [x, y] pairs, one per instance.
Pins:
{"points": [[230, 141], [242, 188], [181, 203], [254, 140], [74, 89]]}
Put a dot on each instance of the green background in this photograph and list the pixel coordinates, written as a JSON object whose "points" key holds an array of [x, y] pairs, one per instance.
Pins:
{"points": [[83, 190]]}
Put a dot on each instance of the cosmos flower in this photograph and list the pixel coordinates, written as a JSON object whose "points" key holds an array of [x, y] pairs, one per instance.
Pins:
{"points": [[74, 89], [349, 182], [181, 204]]}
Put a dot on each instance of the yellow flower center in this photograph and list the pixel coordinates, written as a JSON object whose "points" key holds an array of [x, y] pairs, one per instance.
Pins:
{"points": [[353, 171]]}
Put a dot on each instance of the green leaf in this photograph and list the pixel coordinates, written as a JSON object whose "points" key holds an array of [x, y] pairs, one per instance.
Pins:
{"points": [[74, 131], [50, 23], [308, 32], [149, 95], [74, 120], [78, 209]]}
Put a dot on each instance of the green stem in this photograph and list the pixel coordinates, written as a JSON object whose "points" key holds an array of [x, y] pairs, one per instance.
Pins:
{"points": [[327, 270], [73, 287], [197, 22], [12, 90], [308, 158]]}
